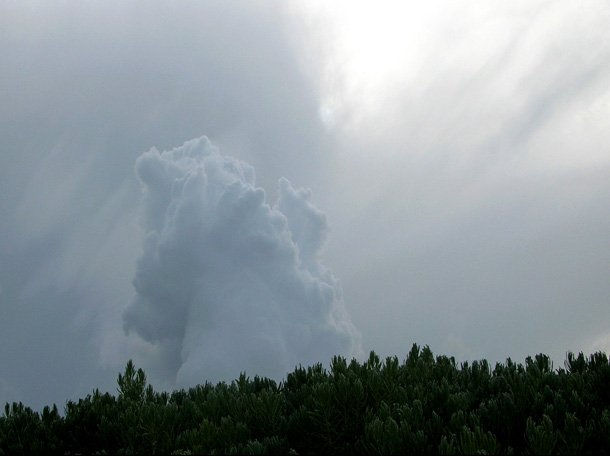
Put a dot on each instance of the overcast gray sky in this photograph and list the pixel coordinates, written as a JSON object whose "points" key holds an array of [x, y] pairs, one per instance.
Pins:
{"points": [[457, 154]]}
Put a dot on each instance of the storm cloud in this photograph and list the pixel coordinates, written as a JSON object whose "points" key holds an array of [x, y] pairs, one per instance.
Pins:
{"points": [[227, 283]]}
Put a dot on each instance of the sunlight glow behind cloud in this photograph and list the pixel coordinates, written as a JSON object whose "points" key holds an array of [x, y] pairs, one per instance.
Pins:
{"points": [[454, 65]]}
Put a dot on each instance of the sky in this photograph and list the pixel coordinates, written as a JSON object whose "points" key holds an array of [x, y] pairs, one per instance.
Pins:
{"points": [[212, 187]]}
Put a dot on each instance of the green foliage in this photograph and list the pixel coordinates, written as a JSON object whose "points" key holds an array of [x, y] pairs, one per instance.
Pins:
{"points": [[422, 405]]}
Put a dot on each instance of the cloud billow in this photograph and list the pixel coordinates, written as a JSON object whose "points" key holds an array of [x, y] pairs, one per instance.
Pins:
{"points": [[226, 282]]}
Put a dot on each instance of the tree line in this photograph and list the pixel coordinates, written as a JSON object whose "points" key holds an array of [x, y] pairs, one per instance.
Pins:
{"points": [[425, 404]]}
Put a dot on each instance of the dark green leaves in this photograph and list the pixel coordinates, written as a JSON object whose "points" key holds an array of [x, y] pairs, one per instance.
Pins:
{"points": [[422, 405]]}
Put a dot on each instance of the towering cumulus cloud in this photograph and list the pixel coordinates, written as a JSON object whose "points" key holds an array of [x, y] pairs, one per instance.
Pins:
{"points": [[226, 282]]}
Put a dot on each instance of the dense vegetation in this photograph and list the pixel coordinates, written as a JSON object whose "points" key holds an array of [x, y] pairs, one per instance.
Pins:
{"points": [[423, 405]]}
